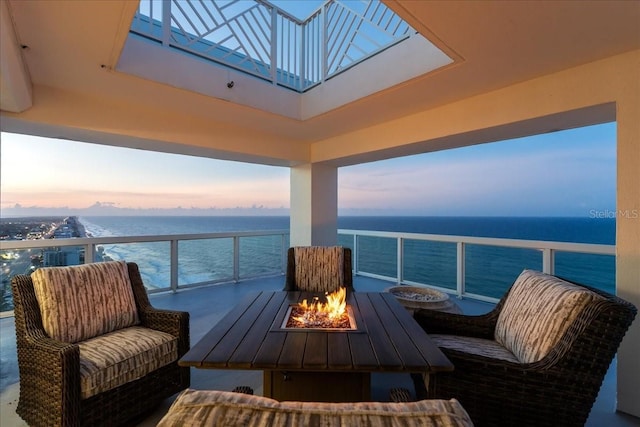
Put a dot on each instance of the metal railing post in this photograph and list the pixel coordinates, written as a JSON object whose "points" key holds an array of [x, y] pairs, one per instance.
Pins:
{"points": [[354, 255], [400, 259], [89, 253], [460, 273], [236, 259], [283, 256], [548, 261], [274, 46], [173, 281], [166, 22], [323, 43], [303, 56]]}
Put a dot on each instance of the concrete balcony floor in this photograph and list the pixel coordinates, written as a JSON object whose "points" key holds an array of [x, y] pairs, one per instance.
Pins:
{"points": [[207, 305]]}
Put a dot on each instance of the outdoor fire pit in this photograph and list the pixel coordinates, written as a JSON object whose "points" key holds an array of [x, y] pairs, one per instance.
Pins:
{"points": [[332, 315]]}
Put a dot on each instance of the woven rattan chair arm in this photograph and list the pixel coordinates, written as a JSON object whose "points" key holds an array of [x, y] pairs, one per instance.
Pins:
{"points": [[168, 321], [438, 322], [172, 322], [52, 354], [49, 345]]}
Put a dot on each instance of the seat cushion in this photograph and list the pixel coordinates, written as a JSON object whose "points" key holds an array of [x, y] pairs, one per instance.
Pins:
{"points": [[471, 345], [83, 301], [319, 268], [537, 312], [223, 408], [113, 359]]}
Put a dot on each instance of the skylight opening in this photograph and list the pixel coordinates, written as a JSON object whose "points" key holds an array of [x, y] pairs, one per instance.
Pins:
{"points": [[262, 39], [247, 51]]}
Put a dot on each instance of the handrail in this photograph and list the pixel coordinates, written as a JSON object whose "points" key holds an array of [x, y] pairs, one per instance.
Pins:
{"points": [[89, 245], [548, 250]]}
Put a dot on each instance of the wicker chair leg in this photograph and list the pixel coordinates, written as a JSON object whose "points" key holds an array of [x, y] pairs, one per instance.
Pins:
{"points": [[243, 389], [399, 394]]}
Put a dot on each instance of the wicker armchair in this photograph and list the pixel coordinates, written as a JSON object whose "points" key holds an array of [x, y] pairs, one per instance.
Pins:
{"points": [[52, 385], [318, 268], [555, 387]]}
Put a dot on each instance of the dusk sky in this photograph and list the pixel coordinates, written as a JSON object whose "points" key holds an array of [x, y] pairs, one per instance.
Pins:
{"points": [[568, 173]]}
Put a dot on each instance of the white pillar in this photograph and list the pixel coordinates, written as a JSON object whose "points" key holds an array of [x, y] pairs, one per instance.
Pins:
{"points": [[314, 205], [628, 243]]}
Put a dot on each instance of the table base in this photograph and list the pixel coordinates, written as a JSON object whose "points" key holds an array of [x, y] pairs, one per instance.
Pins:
{"points": [[317, 386]]}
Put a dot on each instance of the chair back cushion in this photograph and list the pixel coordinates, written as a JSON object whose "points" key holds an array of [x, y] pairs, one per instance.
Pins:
{"points": [[537, 312], [84, 301], [226, 408], [319, 268]]}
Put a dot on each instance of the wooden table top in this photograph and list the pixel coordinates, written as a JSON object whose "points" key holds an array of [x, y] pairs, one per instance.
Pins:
{"points": [[250, 337]]}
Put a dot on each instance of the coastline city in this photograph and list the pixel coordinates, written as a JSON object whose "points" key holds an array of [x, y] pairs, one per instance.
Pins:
{"points": [[25, 261]]}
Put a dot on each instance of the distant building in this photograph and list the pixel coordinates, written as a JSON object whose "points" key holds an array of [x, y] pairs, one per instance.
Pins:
{"points": [[55, 257]]}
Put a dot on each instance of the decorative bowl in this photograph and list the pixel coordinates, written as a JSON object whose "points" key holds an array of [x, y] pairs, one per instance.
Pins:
{"points": [[420, 297]]}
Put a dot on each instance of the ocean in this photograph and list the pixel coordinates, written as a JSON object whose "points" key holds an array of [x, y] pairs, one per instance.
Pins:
{"points": [[489, 270]]}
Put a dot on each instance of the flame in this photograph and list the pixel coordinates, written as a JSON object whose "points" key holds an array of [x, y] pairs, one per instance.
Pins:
{"points": [[316, 311]]}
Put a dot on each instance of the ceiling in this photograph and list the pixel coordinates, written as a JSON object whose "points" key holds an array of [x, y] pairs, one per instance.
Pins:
{"points": [[74, 46]]}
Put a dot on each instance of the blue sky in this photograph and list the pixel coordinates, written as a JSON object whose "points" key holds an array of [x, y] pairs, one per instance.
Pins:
{"points": [[564, 173], [567, 173]]}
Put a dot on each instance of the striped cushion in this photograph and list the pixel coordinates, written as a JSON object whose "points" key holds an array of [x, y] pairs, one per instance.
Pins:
{"points": [[472, 345], [84, 301], [223, 408], [319, 268], [116, 358], [537, 312]]}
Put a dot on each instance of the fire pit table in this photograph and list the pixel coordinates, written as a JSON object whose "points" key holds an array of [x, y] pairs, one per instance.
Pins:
{"points": [[330, 365]]}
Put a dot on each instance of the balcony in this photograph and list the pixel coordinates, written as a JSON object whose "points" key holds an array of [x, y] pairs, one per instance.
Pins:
{"points": [[209, 296], [208, 304], [539, 82]]}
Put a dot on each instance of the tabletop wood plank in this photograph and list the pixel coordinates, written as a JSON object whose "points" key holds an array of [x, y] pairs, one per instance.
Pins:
{"points": [[202, 348], [220, 354], [269, 352], [244, 355], [338, 352], [362, 354], [380, 341], [412, 358], [292, 350], [438, 362], [315, 351]]}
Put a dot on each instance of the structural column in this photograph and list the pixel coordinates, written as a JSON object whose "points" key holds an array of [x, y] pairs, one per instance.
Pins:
{"points": [[314, 205], [628, 242]]}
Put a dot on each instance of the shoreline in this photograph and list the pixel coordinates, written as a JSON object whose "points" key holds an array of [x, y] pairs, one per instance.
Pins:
{"points": [[78, 227]]}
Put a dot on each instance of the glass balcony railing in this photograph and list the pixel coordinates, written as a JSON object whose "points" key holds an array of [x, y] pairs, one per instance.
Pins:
{"points": [[474, 267]]}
